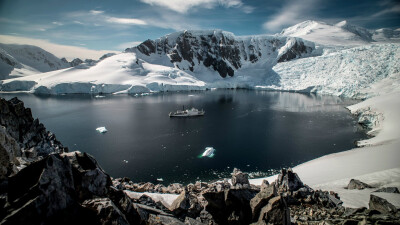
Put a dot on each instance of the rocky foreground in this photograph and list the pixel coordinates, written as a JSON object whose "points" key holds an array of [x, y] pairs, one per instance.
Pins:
{"points": [[42, 183]]}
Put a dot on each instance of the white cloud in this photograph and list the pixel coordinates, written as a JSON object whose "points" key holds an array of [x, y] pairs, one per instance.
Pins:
{"points": [[231, 3], [170, 20], [67, 51], [293, 12], [183, 6], [101, 18], [126, 45], [96, 12], [12, 21], [57, 23], [394, 9], [248, 9], [127, 21]]}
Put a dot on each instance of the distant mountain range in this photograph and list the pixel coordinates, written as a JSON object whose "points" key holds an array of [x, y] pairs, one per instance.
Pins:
{"points": [[203, 59], [23, 60]]}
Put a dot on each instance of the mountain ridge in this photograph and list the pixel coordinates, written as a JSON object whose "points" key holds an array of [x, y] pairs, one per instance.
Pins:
{"points": [[24, 60], [220, 50], [20, 60], [340, 34]]}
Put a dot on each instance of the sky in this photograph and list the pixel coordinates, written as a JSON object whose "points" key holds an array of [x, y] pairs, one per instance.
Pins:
{"points": [[91, 28]]}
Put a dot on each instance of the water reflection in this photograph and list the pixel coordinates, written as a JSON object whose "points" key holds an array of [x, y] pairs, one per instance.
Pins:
{"points": [[299, 102]]}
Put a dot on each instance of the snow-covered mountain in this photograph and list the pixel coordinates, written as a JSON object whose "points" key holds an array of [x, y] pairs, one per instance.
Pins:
{"points": [[386, 35], [22, 60], [180, 61], [221, 51], [199, 60], [340, 34]]}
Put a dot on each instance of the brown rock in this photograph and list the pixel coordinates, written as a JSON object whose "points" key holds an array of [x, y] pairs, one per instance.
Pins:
{"points": [[276, 212], [381, 205], [261, 200], [238, 177]]}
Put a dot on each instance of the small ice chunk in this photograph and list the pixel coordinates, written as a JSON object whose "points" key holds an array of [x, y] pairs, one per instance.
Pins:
{"points": [[125, 161], [209, 152], [101, 129], [99, 96], [160, 179]]}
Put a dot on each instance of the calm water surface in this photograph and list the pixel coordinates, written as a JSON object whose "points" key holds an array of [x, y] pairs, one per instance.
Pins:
{"points": [[256, 131]]}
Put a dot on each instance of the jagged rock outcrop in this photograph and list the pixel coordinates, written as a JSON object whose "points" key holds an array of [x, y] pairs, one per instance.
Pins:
{"points": [[54, 184], [230, 206], [238, 177], [261, 200], [381, 204], [356, 184], [9, 151], [106, 56], [222, 51], [75, 62], [106, 211], [89, 62], [288, 181], [187, 204], [275, 212], [29, 132], [388, 190], [22, 136]]}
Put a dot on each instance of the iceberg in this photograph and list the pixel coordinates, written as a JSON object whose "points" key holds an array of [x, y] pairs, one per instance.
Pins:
{"points": [[101, 129], [209, 152]]}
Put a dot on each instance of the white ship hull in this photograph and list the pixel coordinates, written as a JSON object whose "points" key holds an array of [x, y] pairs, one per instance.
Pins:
{"points": [[187, 113]]}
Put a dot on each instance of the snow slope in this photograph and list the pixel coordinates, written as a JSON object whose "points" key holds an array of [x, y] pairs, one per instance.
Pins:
{"points": [[120, 73], [341, 34], [23, 60]]}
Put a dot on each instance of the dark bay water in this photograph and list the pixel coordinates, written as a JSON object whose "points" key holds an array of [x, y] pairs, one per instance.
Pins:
{"points": [[253, 130]]}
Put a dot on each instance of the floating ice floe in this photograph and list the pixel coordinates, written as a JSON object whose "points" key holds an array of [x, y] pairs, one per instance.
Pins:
{"points": [[125, 161], [209, 152], [101, 129], [160, 179], [99, 96]]}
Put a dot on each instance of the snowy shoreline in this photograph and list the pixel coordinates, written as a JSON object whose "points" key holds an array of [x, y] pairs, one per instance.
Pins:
{"points": [[375, 162]]}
